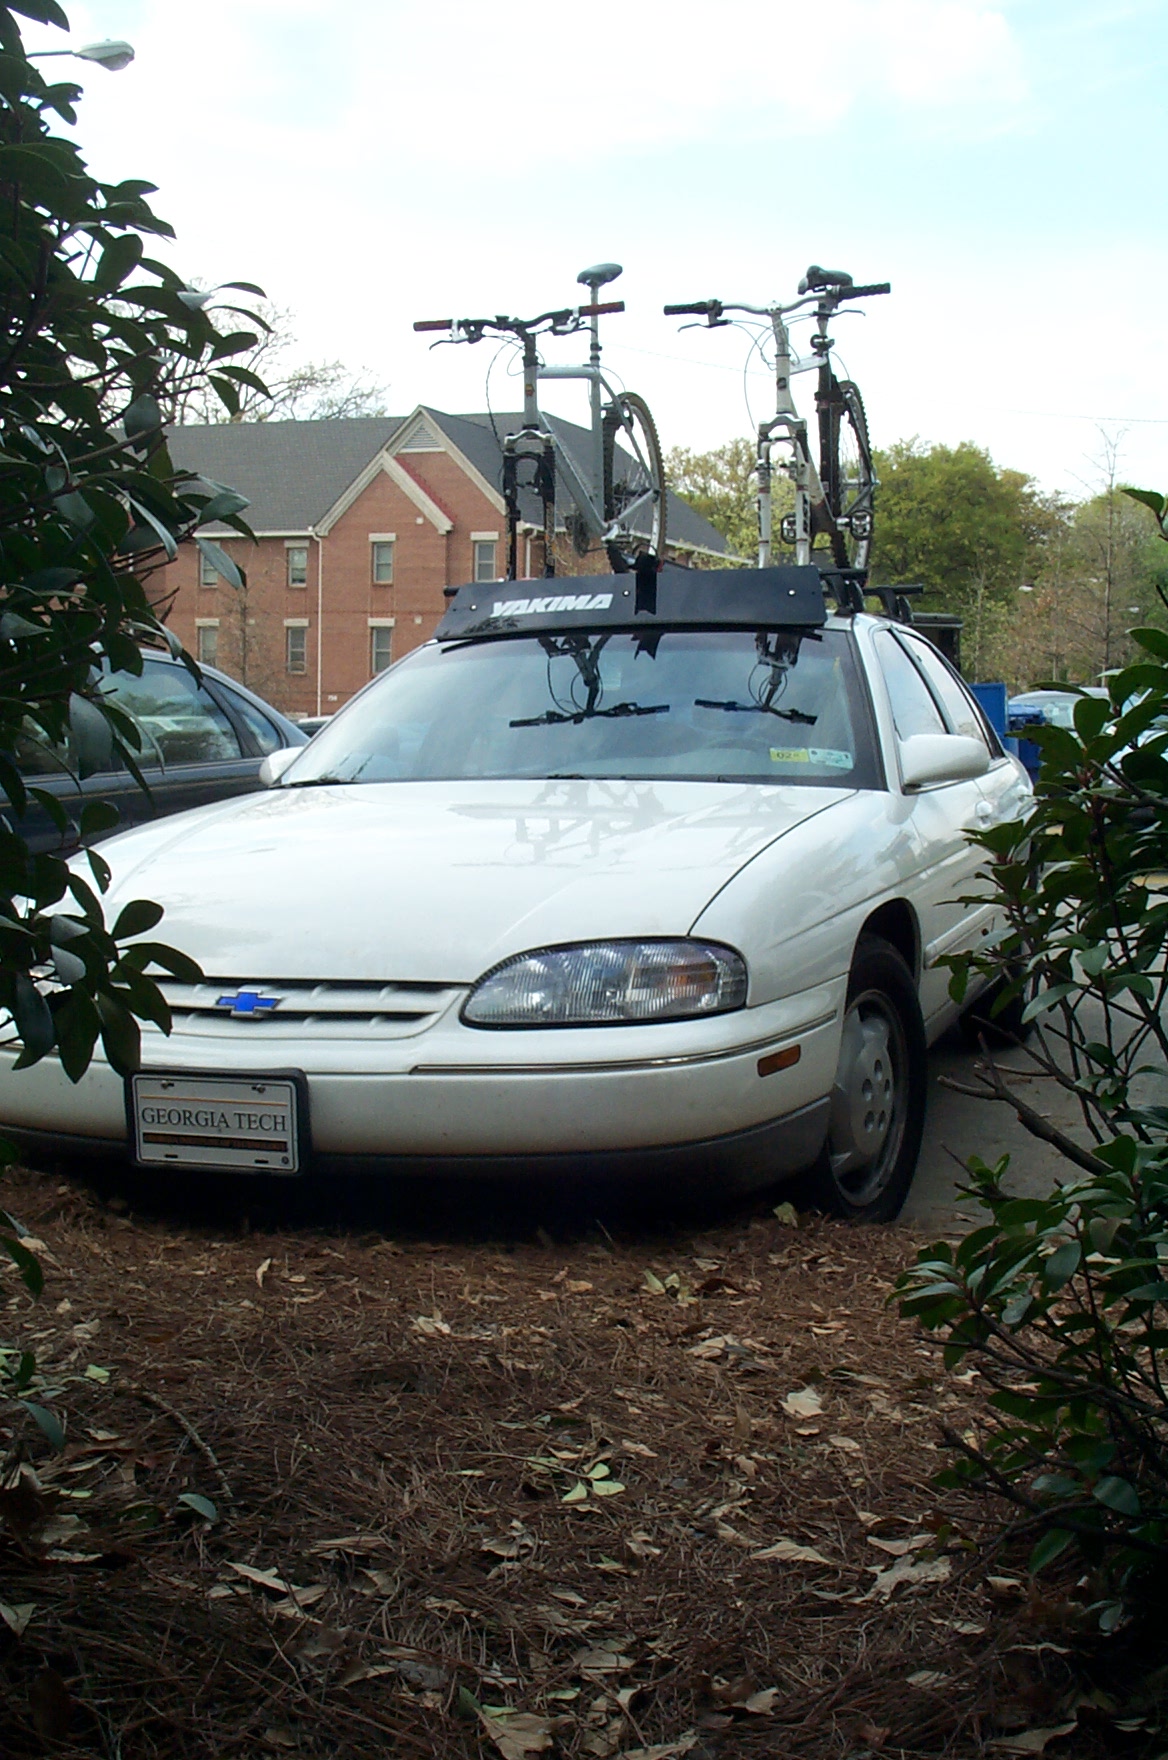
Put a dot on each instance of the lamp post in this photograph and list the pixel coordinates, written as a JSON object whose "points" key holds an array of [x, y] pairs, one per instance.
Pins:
{"points": [[112, 54]]}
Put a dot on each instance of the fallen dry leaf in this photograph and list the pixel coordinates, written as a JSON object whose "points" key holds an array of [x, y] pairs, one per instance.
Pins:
{"points": [[262, 1272], [804, 1402], [790, 1552], [763, 1703], [16, 1618], [905, 1570], [518, 1733]]}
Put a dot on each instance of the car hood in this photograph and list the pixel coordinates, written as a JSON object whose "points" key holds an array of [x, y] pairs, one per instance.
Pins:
{"points": [[437, 881]]}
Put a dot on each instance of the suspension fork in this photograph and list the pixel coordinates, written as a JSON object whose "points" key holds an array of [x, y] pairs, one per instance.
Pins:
{"points": [[535, 444], [808, 491], [539, 448]]}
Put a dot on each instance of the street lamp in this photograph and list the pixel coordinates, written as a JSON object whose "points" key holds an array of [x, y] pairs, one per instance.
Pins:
{"points": [[112, 54]]}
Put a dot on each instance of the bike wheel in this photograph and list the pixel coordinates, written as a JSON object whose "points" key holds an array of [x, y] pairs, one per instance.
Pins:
{"points": [[634, 480], [845, 469]]}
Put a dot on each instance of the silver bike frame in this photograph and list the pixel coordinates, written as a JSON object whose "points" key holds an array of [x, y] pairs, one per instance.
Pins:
{"points": [[800, 467]]}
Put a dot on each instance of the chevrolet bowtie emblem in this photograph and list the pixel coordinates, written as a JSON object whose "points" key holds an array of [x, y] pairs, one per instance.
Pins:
{"points": [[248, 1005]]}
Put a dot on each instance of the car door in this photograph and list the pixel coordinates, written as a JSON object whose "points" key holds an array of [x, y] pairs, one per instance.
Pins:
{"points": [[942, 815], [1004, 786], [190, 751]]}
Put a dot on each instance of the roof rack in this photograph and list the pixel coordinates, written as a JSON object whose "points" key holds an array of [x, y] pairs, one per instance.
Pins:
{"points": [[850, 588]]}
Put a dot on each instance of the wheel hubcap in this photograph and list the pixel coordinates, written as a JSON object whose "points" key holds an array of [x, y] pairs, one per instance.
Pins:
{"points": [[867, 1108]]}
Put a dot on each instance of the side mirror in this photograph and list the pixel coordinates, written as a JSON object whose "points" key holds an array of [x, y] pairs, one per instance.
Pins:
{"points": [[275, 764], [928, 758]]}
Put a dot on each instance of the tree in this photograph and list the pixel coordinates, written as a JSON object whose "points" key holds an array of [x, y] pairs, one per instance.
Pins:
{"points": [[94, 337], [721, 486], [292, 390], [970, 533]]}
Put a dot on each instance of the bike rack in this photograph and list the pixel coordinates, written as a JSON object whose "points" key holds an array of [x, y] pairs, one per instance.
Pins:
{"points": [[850, 588]]}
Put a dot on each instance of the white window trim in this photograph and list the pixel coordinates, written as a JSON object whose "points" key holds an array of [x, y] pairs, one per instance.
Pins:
{"points": [[381, 622], [383, 537], [297, 543], [297, 623], [206, 623], [484, 537]]}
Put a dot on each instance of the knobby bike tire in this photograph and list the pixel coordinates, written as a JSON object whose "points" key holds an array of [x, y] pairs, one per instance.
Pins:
{"points": [[845, 470], [643, 469]]}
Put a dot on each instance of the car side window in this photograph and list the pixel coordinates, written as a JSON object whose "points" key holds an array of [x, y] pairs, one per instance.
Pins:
{"points": [[37, 755], [913, 708], [963, 714], [266, 734], [179, 722]]}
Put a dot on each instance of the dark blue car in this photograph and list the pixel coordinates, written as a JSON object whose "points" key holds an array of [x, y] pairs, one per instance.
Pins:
{"points": [[199, 743]]}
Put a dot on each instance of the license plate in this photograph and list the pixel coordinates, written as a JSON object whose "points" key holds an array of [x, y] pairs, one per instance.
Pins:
{"points": [[252, 1124]]}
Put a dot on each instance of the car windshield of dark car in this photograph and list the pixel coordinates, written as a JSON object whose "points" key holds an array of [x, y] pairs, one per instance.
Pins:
{"points": [[766, 706]]}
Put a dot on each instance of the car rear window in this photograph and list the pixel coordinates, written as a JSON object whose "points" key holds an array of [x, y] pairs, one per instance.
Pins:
{"points": [[729, 705]]}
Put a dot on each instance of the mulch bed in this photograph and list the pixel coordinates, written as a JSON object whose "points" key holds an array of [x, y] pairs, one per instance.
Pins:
{"points": [[329, 1493]]}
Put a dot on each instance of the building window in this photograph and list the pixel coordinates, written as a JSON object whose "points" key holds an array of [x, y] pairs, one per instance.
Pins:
{"points": [[380, 648], [207, 635], [296, 648], [208, 573], [382, 562], [484, 559], [297, 555]]}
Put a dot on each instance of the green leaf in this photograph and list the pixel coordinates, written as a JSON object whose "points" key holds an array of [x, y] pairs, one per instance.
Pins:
{"points": [[98, 816], [120, 1036], [202, 1506], [1146, 497], [26, 1262], [1117, 1494], [220, 561], [136, 918], [48, 1421], [1051, 1546]]}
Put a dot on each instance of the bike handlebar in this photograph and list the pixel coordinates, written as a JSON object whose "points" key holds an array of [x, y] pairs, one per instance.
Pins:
{"points": [[701, 308], [862, 292], [475, 327]]}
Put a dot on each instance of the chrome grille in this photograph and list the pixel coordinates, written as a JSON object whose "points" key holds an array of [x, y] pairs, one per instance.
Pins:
{"points": [[340, 1009]]}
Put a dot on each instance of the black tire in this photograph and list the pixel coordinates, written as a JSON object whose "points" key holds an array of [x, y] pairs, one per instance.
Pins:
{"points": [[845, 470], [1001, 1030], [634, 480], [878, 1102]]}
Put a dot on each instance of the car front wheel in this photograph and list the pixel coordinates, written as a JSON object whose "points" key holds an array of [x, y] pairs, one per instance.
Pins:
{"points": [[878, 1099]]}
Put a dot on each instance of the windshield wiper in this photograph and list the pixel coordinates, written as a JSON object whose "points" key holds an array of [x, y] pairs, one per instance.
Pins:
{"points": [[320, 782], [733, 708], [557, 718]]}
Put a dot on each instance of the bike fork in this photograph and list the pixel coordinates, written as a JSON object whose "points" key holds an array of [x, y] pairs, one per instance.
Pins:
{"points": [[539, 448]]}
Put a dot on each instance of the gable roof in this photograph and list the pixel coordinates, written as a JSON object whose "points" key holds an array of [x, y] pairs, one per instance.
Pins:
{"points": [[291, 472], [296, 473]]}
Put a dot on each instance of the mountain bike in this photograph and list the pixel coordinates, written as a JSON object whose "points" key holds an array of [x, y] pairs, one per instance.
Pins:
{"points": [[834, 509], [618, 493]]}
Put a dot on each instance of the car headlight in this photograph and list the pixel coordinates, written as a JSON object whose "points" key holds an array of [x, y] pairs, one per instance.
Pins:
{"points": [[603, 983]]}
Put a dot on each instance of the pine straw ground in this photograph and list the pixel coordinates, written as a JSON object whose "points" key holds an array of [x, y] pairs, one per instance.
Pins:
{"points": [[660, 1494]]}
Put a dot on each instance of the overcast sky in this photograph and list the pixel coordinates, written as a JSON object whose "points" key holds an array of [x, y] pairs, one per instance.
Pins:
{"points": [[376, 161]]}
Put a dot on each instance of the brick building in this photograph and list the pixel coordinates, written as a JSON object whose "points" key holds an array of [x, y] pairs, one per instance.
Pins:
{"points": [[360, 524]]}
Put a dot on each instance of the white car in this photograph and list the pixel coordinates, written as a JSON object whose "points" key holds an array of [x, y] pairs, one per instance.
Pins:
{"points": [[623, 875]]}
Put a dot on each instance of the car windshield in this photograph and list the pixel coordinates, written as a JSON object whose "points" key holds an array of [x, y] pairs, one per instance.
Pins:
{"points": [[767, 706]]}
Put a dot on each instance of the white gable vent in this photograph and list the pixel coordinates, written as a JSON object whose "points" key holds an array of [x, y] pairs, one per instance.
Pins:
{"points": [[421, 438]]}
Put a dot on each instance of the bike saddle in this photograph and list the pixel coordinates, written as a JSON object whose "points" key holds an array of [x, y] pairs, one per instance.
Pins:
{"points": [[599, 274], [817, 279]]}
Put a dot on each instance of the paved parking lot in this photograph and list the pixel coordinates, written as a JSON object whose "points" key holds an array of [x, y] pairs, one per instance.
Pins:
{"points": [[959, 1126]]}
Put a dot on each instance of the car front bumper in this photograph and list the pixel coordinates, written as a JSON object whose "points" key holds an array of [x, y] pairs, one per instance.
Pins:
{"points": [[468, 1100]]}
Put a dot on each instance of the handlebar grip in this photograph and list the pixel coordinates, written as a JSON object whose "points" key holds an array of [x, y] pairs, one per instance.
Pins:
{"points": [[595, 311], [700, 309], [434, 324], [865, 292]]}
